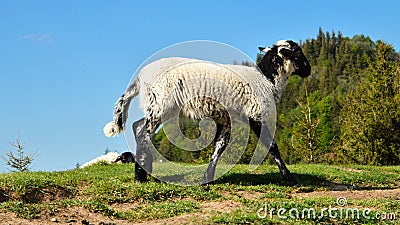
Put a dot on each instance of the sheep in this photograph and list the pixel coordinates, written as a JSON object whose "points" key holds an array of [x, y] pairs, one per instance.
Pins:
{"points": [[169, 88], [110, 157], [125, 157]]}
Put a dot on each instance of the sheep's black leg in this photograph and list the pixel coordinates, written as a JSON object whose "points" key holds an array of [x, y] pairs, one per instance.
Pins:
{"points": [[221, 140], [257, 127], [287, 176], [141, 150], [144, 158]]}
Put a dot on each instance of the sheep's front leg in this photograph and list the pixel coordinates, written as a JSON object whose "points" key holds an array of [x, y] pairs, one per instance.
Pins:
{"points": [[221, 140], [144, 158], [258, 127], [287, 176]]}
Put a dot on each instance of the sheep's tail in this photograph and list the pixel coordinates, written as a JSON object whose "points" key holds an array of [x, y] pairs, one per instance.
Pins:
{"points": [[117, 126]]}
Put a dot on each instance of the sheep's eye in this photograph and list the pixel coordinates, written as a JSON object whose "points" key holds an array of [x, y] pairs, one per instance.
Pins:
{"points": [[286, 52]]}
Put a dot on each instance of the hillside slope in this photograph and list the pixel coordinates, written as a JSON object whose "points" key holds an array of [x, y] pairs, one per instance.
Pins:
{"points": [[108, 194]]}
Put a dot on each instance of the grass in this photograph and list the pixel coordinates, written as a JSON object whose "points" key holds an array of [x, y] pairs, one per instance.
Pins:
{"points": [[105, 189]]}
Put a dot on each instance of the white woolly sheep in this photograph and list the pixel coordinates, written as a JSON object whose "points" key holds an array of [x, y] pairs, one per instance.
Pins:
{"points": [[244, 90], [110, 157]]}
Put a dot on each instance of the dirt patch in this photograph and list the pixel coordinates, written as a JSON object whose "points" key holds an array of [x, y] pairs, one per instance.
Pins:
{"points": [[124, 206], [80, 215], [355, 195], [222, 207], [207, 209], [352, 170], [37, 195], [246, 194], [190, 218], [46, 195], [73, 215]]}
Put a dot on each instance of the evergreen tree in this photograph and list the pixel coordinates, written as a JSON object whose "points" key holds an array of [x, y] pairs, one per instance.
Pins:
{"points": [[306, 136], [371, 113], [19, 161]]}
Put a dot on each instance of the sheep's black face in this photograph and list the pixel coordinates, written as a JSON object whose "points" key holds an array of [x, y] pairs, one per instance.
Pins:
{"points": [[289, 50], [126, 157], [285, 51]]}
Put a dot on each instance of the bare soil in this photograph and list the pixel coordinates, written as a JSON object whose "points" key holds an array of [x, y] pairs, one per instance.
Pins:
{"points": [[73, 215], [355, 195], [80, 215]]}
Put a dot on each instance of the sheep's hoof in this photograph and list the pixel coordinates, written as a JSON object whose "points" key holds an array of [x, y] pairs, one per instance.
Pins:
{"points": [[141, 178], [140, 174], [206, 186], [291, 181]]}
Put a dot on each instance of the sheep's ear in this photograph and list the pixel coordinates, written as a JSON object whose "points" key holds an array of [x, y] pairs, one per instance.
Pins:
{"points": [[264, 49]]}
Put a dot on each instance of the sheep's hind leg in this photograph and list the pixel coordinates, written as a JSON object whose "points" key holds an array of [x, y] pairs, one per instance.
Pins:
{"points": [[287, 176], [257, 127], [144, 158], [221, 140]]}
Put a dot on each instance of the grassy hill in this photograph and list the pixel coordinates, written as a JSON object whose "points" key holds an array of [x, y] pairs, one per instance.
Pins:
{"points": [[108, 194]]}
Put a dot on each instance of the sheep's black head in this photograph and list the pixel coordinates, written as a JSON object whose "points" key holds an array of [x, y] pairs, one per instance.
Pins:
{"points": [[126, 157], [284, 53]]}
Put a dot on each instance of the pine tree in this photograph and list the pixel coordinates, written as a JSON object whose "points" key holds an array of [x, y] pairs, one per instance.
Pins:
{"points": [[20, 161], [306, 136], [371, 113]]}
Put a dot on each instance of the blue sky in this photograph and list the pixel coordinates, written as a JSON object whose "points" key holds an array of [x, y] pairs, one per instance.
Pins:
{"points": [[63, 64]]}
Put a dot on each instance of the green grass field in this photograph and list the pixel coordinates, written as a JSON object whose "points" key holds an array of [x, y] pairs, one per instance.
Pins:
{"points": [[108, 193]]}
